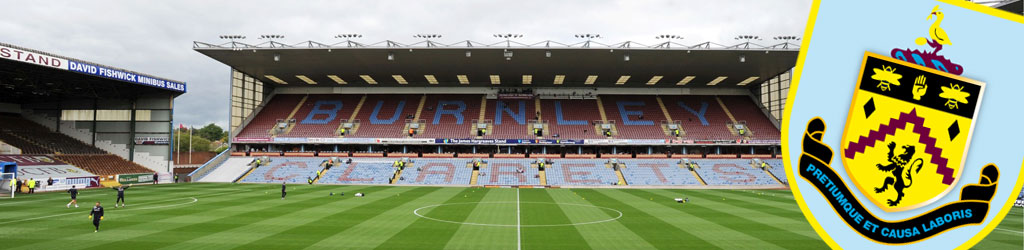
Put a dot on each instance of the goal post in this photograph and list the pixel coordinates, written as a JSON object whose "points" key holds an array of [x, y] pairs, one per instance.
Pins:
{"points": [[6, 190]]}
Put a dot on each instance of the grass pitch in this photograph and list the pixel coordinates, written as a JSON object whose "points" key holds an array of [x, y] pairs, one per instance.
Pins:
{"points": [[253, 216]]}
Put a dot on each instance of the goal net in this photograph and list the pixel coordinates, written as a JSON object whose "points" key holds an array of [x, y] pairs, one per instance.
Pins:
{"points": [[6, 190]]}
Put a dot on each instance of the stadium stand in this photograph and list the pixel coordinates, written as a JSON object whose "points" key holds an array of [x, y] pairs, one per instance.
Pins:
{"points": [[637, 117], [701, 117], [510, 118], [33, 138], [361, 171], [437, 172], [580, 172], [744, 109], [732, 172], [105, 164], [279, 107], [450, 116], [384, 116], [290, 170], [571, 118], [507, 172], [656, 172], [321, 115]]}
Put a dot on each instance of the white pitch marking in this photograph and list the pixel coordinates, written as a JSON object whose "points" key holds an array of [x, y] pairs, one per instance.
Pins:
{"points": [[417, 213], [519, 230]]}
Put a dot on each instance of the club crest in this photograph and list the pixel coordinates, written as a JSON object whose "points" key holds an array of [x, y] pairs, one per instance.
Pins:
{"points": [[904, 144]]}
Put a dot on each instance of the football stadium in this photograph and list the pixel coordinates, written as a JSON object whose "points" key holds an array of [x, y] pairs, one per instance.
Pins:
{"points": [[431, 143]]}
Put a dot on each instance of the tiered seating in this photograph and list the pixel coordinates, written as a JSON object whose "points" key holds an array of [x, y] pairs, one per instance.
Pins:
{"points": [[361, 171], [33, 138], [715, 118], [437, 172], [106, 164], [641, 118], [577, 116], [277, 108], [775, 166], [744, 109], [25, 146], [59, 142], [513, 125], [290, 170], [732, 172], [326, 119], [442, 115], [504, 172], [580, 172], [383, 116], [656, 172]]}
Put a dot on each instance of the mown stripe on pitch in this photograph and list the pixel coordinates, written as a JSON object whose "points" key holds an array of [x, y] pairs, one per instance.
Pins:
{"points": [[748, 204], [497, 207], [196, 230], [779, 202], [379, 229], [657, 232], [429, 234], [117, 221], [546, 213], [603, 235], [43, 204], [310, 233], [778, 236]]}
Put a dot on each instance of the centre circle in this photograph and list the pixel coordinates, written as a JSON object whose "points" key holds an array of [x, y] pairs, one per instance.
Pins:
{"points": [[421, 212]]}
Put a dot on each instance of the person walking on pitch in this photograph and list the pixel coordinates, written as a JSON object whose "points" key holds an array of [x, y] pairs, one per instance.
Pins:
{"points": [[283, 193], [96, 215], [120, 195], [74, 197]]}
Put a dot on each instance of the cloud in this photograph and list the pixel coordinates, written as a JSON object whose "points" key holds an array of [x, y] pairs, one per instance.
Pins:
{"points": [[155, 37]]}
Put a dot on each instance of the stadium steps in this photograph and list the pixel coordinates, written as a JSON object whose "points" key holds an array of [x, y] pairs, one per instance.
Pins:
{"points": [[398, 174], [726, 109], [536, 104], [773, 176], [600, 109], [323, 170], [483, 109], [419, 108], [472, 180], [292, 115], [622, 179], [359, 106], [543, 178], [664, 110], [240, 178], [229, 170], [695, 175], [352, 118]]}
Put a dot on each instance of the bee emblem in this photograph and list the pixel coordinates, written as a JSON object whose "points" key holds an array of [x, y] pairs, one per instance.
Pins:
{"points": [[886, 76], [954, 95]]}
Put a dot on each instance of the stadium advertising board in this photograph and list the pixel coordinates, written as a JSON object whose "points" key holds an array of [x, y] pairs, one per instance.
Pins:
{"points": [[78, 182], [148, 140], [96, 70], [32, 57], [42, 172], [134, 178], [30, 160]]}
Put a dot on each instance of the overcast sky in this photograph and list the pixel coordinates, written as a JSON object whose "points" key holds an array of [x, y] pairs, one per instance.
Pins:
{"points": [[155, 37]]}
